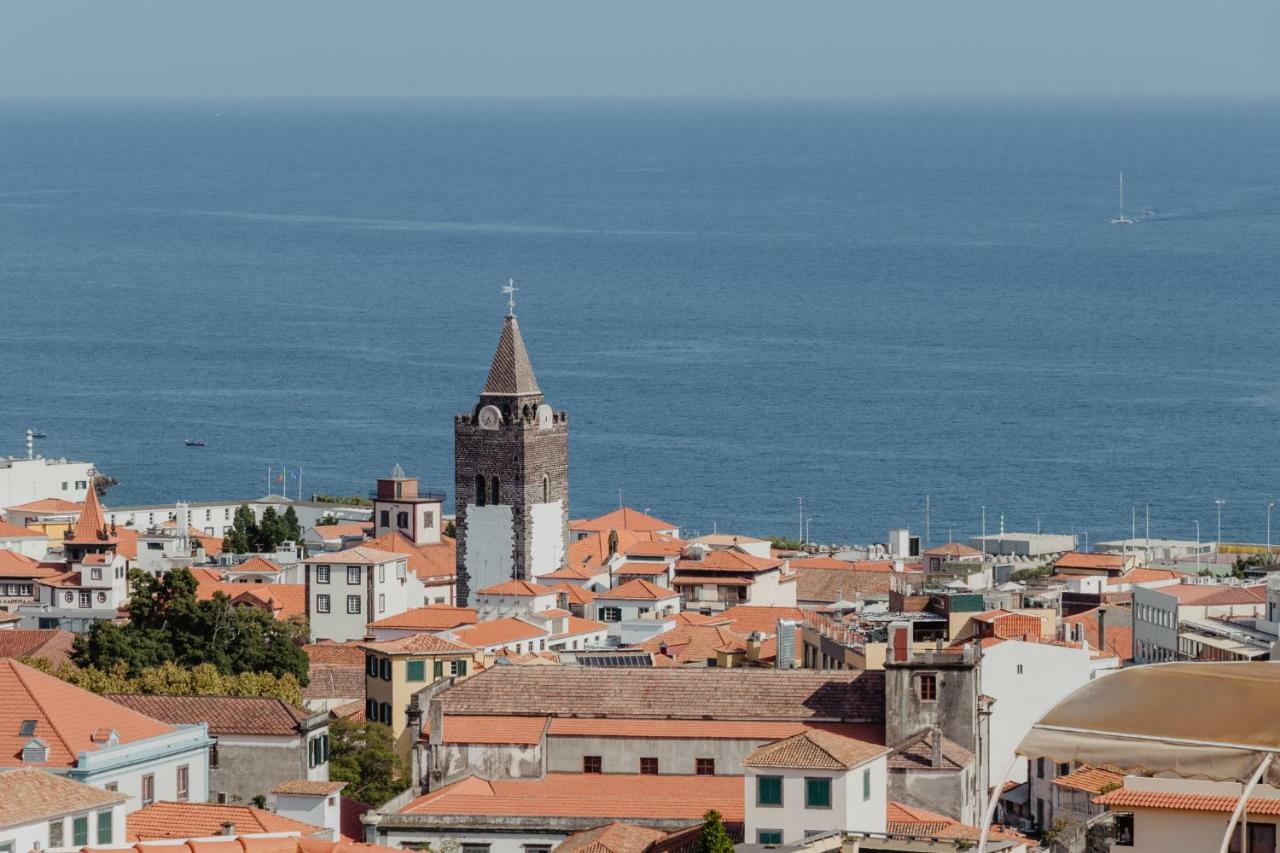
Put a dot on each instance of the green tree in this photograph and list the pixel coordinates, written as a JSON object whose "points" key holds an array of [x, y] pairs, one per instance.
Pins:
{"points": [[714, 837], [450, 530], [326, 520], [243, 535], [293, 529], [363, 755], [272, 530]]}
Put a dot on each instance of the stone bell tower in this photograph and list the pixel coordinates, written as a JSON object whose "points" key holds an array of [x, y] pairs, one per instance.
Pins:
{"points": [[511, 475]]}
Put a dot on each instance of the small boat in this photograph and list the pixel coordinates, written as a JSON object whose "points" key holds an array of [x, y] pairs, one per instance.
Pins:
{"points": [[195, 442], [1122, 219], [35, 433], [1150, 211]]}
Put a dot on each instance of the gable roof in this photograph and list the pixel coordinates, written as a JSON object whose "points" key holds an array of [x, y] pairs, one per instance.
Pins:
{"points": [[742, 694], [951, 549], [226, 715], [832, 585], [329, 681], [511, 372], [360, 554], [815, 749], [1090, 779], [497, 632], [433, 617], [616, 837], [1126, 798], [203, 820], [623, 518], [638, 590], [28, 795], [9, 530], [418, 644], [335, 654], [256, 563], [574, 594], [516, 587], [343, 529], [731, 559], [15, 565], [50, 505], [438, 560], [282, 600], [1119, 621], [745, 618], [695, 644], [1090, 560], [51, 644], [66, 717]]}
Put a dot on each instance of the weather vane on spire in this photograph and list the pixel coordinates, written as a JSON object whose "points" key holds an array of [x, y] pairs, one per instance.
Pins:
{"points": [[510, 289]]}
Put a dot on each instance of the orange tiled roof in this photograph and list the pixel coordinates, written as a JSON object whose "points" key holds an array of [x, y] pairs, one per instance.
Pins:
{"points": [[1202, 595], [28, 795], [1119, 636], [1090, 779], [127, 544], [692, 644], [335, 654], [639, 589], [1084, 560], [913, 820], [951, 549], [658, 546], [745, 618], [624, 518], [433, 617], [1127, 798], [1143, 574], [418, 644], [614, 796], [225, 715], [15, 565], [644, 570], [515, 587], [51, 644], [17, 531], [351, 529], [360, 554], [718, 580], [577, 625], [202, 820], [282, 600], [256, 564], [815, 749], [438, 560], [66, 717], [574, 594], [616, 837], [728, 560], [497, 632], [91, 527], [592, 552], [49, 505], [482, 728]]}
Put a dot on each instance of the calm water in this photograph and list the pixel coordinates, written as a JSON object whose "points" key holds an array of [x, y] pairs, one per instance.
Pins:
{"points": [[739, 304]]}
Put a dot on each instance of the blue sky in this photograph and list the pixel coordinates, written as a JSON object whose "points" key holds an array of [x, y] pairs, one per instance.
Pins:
{"points": [[638, 48]]}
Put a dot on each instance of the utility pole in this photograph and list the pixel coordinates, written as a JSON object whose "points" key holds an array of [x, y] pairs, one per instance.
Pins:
{"points": [[926, 521], [1219, 502], [1270, 504], [984, 529], [1197, 546], [801, 520], [807, 522], [1148, 530]]}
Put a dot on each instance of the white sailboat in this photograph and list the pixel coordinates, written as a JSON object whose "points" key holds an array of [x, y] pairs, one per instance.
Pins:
{"points": [[1122, 219]]}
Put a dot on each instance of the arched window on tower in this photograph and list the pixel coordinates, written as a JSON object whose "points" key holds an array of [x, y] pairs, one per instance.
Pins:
{"points": [[546, 489], [494, 492], [480, 490]]}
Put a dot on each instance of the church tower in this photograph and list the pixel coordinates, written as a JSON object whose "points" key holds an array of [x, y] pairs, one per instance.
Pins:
{"points": [[511, 475]]}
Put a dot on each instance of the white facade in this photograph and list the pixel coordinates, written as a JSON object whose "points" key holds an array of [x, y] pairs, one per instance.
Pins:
{"points": [[346, 591], [314, 809], [1162, 830], [490, 544], [44, 834], [1026, 680], [33, 544], [214, 518], [858, 803], [490, 607], [25, 480], [616, 611], [546, 554], [157, 763], [62, 602]]}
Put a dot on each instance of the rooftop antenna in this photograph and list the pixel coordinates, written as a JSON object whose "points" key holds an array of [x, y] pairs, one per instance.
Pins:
{"points": [[510, 289]]}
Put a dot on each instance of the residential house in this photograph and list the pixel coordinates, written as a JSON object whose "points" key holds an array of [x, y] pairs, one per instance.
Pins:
{"points": [[56, 726], [42, 810], [1193, 621], [813, 783], [23, 540], [167, 820], [417, 620], [433, 563], [51, 645], [937, 557], [280, 600], [513, 598], [18, 578], [335, 537], [215, 518], [348, 589], [724, 541], [1064, 792], [713, 580], [1082, 563], [546, 630], [257, 742], [320, 804], [622, 518], [1155, 814], [52, 517], [632, 601], [396, 669]]}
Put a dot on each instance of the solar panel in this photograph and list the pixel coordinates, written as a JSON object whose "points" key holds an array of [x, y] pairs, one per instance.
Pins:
{"points": [[616, 660]]}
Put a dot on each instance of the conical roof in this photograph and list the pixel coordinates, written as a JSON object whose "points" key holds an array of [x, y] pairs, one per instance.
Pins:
{"points": [[511, 373], [91, 528]]}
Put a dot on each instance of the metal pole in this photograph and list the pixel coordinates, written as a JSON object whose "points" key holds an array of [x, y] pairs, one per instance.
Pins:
{"points": [[984, 529], [1243, 801], [926, 521], [1219, 502], [1197, 546], [801, 520], [1269, 506]]}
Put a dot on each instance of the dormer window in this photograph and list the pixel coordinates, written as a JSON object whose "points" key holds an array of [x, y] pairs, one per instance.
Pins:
{"points": [[35, 751]]}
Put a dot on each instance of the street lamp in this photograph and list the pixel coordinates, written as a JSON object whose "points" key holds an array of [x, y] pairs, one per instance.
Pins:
{"points": [[807, 522], [1218, 549], [1269, 506], [1197, 546]]}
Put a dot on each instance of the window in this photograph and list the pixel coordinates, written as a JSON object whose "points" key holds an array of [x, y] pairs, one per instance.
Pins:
{"points": [[371, 666], [148, 789], [768, 790], [371, 709], [927, 686], [817, 792], [95, 574], [353, 604], [384, 518], [382, 574], [384, 713], [1262, 839], [384, 668], [457, 667], [382, 603], [1124, 831], [494, 491], [704, 766], [56, 828], [428, 519], [213, 756], [81, 484], [1019, 669], [610, 614], [866, 784], [648, 767], [184, 783], [480, 490], [546, 489], [591, 764], [475, 848], [1039, 768], [537, 848], [322, 604], [415, 670], [86, 598], [768, 836], [80, 831], [322, 574], [1064, 769], [402, 520], [353, 575]]}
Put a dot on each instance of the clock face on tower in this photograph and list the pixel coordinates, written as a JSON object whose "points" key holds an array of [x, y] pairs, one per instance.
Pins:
{"points": [[490, 417]]}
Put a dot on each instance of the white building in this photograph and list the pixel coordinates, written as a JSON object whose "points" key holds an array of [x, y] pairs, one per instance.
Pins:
{"points": [[23, 540], [813, 783], [633, 600], [714, 580], [35, 477], [513, 598], [46, 811], [347, 590], [214, 518], [1158, 614]]}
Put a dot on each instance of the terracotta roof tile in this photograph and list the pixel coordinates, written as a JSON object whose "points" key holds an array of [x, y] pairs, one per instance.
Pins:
{"points": [[202, 820], [308, 788], [913, 820], [226, 715], [338, 654], [282, 600], [1084, 560], [683, 578], [610, 796], [439, 560], [677, 729], [17, 531], [517, 588], [48, 505], [728, 560], [343, 529], [326, 681], [483, 728], [693, 644], [66, 717], [624, 518], [613, 837], [644, 570], [745, 618], [51, 644], [256, 563], [1119, 622], [1090, 779], [952, 549], [497, 632], [831, 585], [638, 590], [574, 594], [418, 644], [359, 555], [28, 795], [91, 527], [434, 617], [1147, 575], [1127, 798], [815, 749], [15, 565]]}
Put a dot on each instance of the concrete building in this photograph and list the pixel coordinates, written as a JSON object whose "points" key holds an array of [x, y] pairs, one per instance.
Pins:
{"points": [[712, 580], [23, 540], [399, 505], [30, 478], [1154, 815], [511, 464], [1034, 545], [42, 811], [88, 738], [396, 669], [257, 743], [513, 598], [1148, 551], [634, 600], [53, 517], [214, 518], [346, 590], [1159, 614]]}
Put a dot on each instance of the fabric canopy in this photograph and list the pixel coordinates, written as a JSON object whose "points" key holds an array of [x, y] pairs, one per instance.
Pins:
{"points": [[1209, 720]]}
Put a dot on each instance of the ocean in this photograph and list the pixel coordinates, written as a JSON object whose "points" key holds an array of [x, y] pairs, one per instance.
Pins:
{"points": [[740, 304]]}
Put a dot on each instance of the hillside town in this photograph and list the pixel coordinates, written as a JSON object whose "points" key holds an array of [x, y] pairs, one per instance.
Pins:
{"points": [[493, 670]]}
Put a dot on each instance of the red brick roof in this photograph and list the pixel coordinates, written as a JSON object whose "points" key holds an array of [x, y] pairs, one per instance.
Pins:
{"points": [[1127, 798], [202, 820], [639, 589], [624, 518], [615, 796], [28, 795], [434, 617], [226, 715], [66, 717]]}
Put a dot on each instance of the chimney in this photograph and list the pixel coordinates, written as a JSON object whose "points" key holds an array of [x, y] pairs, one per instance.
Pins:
{"points": [[1102, 628], [228, 828], [935, 759], [754, 641]]}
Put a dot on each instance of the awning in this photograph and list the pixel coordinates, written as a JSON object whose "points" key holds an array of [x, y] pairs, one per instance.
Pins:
{"points": [[1205, 720]]}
